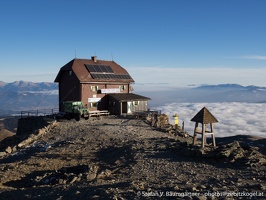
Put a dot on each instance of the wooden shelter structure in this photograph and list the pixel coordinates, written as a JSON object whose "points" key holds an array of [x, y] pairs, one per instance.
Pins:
{"points": [[204, 116]]}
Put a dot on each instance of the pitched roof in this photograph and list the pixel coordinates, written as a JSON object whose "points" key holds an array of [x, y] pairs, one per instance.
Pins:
{"points": [[89, 70], [204, 116], [128, 97]]}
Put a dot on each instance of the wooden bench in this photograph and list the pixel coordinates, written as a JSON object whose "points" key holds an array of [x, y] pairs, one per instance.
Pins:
{"points": [[98, 113], [104, 112]]}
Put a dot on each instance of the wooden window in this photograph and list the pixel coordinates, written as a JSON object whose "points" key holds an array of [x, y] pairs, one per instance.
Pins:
{"points": [[123, 87], [94, 88]]}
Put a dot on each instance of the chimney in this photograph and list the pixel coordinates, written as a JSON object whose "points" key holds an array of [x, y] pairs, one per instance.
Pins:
{"points": [[94, 58]]}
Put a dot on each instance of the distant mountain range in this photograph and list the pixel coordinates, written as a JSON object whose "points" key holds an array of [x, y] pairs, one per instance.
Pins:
{"points": [[231, 87], [209, 93], [23, 96], [27, 86]]}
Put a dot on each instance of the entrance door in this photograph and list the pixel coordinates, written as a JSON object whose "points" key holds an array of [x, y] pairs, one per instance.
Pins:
{"points": [[124, 107]]}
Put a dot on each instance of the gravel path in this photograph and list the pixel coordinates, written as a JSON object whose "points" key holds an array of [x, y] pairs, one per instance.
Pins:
{"points": [[127, 158]]}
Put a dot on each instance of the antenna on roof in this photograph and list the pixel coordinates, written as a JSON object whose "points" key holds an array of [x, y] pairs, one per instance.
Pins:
{"points": [[112, 56]]}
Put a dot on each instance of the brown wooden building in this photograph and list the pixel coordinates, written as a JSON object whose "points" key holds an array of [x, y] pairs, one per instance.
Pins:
{"points": [[95, 82], [126, 103]]}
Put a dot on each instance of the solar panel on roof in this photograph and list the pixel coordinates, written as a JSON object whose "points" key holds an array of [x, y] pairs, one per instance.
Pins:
{"points": [[94, 76], [110, 76], [90, 68], [102, 68], [96, 68], [109, 69], [102, 76], [99, 68]]}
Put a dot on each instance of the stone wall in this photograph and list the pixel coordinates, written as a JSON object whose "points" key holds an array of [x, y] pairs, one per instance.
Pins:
{"points": [[30, 124], [29, 129]]}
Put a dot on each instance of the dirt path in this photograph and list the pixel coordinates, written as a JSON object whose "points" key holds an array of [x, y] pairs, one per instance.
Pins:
{"points": [[126, 158]]}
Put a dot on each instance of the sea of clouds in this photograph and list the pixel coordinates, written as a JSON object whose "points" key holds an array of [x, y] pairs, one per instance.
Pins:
{"points": [[235, 118]]}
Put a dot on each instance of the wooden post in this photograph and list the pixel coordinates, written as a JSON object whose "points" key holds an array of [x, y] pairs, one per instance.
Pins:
{"points": [[213, 137], [195, 133], [203, 135]]}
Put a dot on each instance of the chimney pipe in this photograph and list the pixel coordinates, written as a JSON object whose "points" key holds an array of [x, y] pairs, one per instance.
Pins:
{"points": [[94, 58]]}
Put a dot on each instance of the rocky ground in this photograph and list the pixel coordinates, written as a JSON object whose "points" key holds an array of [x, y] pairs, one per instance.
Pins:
{"points": [[127, 158]]}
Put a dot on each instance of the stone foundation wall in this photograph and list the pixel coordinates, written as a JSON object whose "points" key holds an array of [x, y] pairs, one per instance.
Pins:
{"points": [[29, 129]]}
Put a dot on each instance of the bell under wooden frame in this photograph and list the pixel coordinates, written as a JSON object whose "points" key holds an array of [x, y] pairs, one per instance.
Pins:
{"points": [[204, 117]]}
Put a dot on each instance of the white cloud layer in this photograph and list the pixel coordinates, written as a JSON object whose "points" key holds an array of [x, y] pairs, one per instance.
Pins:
{"points": [[254, 57], [234, 118]]}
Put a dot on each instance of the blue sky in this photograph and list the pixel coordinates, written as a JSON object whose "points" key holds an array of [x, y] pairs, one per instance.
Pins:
{"points": [[161, 43]]}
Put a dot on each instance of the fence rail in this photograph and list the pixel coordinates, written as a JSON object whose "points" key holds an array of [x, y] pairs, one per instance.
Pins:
{"points": [[37, 113]]}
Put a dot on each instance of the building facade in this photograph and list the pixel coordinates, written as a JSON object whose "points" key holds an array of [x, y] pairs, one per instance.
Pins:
{"points": [[94, 82]]}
